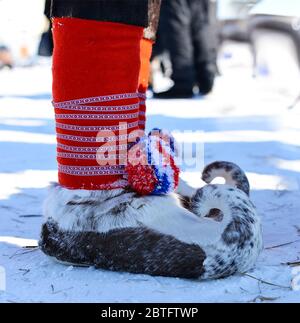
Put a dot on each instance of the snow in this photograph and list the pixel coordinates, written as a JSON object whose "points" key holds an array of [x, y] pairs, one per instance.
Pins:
{"points": [[245, 120]]}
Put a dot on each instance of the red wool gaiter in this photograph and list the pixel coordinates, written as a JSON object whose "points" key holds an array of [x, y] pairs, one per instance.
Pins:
{"points": [[96, 69]]}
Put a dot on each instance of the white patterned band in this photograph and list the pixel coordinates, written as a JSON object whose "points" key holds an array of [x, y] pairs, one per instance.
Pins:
{"points": [[92, 149], [115, 185], [101, 108], [119, 112], [99, 138], [122, 116], [97, 156], [96, 99], [91, 170], [142, 95], [96, 128]]}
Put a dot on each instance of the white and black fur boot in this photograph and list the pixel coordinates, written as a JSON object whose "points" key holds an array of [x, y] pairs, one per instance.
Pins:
{"points": [[208, 233]]}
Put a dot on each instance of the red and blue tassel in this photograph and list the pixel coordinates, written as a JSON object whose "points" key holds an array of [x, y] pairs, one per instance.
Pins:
{"points": [[151, 167]]}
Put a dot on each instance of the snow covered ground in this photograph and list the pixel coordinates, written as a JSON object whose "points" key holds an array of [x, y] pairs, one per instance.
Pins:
{"points": [[246, 121]]}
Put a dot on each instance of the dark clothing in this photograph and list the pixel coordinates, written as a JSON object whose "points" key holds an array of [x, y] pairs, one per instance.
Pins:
{"points": [[46, 42], [187, 35], [133, 12], [144, 13], [47, 9]]}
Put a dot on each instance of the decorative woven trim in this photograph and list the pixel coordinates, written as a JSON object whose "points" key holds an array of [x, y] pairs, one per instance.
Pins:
{"points": [[96, 128], [59, 116], [112, 186], [94, 139], [119, 184], [96, 99], [76, 138], [101, 108], [114, 152], [91, 149], [91, 156], [142, 95], [91, 170]]}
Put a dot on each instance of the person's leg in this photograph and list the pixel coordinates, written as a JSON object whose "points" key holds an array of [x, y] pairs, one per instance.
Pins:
{"points": [[95, 81], [46, 42], [88, 221], [176, 27], [204, 40], [96, 66], [93, 216]]}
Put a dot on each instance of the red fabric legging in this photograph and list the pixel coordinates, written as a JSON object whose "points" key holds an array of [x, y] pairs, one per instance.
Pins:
{"points": [[96, 70], [145, 56]]}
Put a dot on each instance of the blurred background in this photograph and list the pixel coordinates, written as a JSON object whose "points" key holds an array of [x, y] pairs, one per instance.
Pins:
{"points": [[261, 35]]}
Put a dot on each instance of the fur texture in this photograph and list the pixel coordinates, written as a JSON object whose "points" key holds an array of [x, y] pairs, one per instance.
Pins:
{"points": [[137, 250], [232, 173], [215, 234], [241, 240]]}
